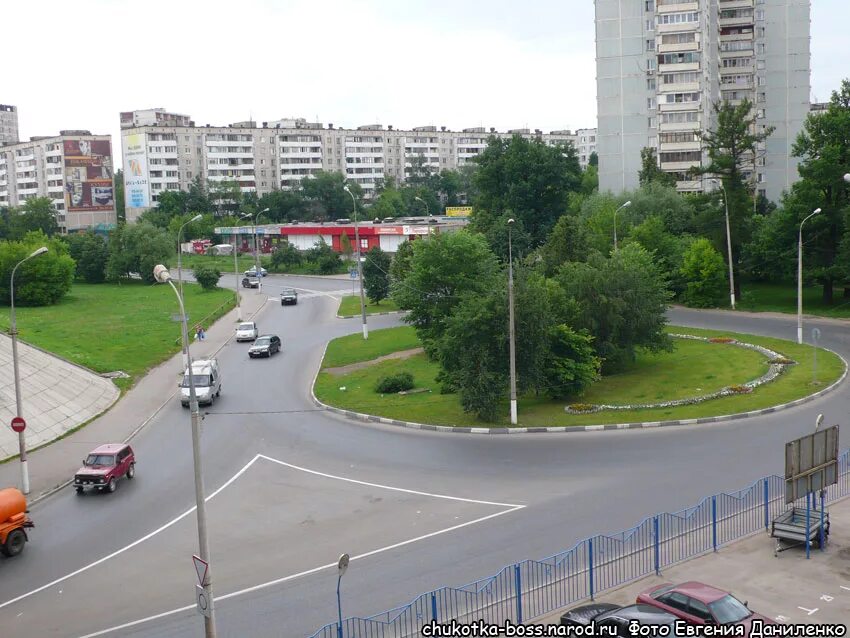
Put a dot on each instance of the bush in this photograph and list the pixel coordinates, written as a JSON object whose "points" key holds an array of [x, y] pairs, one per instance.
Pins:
{"points": [[207, 276], [90, 253], [704, 273], [323, 260], [395, 383], [42, 280], [285, 256]]}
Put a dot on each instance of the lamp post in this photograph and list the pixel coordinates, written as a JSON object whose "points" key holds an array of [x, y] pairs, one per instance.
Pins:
{"points": [[728, 244], [180, 268], [162, 275], [511, 322], [257, 252], [847, 177], [341, 566], [13, 332], [800, 278], [626, 205], [359, 264], [236, 272], [427, 210]]}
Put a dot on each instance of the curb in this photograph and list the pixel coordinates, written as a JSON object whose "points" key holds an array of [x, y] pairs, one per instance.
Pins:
{"points": [[373, 314], [571, 428]]}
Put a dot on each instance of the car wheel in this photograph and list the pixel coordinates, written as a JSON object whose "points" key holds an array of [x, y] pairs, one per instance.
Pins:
{"points": [[15, 542], [131, 471], [79, 489], [110, 487]]}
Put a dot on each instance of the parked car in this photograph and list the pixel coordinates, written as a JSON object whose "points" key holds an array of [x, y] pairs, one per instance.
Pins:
{"points": [[247, 331], [701, 604], [265, 346], [288, 296], [608, 615], [104, 466], [250, 282], [252, 272], [207, 380]]}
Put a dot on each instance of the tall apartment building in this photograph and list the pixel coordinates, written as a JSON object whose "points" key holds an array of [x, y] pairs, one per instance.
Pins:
{"points": [[74, 169], [8, 124], [279, 154], [154, 117], [662, 64], [585, 145]]}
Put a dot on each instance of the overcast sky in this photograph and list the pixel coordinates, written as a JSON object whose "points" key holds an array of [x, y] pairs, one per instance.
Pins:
{"points": [[456, 63]]}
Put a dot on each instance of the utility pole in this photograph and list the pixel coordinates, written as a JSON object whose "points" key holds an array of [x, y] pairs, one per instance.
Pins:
{"points": [[511, 321], [359, 265]]}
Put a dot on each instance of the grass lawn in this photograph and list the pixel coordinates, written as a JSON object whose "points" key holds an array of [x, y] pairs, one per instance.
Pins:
{"points": [[353, 348], [109, 327], [350, 306], [764, 297], [654, 377]]}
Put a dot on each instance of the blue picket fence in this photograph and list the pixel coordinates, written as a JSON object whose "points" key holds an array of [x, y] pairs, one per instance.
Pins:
{"points": [[533, 588]]}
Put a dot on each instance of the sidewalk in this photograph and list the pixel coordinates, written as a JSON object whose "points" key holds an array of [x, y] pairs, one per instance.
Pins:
{"points": [[54, 465]]}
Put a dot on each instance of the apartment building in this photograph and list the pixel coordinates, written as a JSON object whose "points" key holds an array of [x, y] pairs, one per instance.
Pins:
{"points": [[74, 169], [279, 154], [662, 64], [154, 117], [585, 145], [8, 124]]}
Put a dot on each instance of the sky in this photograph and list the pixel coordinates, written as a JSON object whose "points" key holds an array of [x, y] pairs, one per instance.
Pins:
{"points": [[454, 63]]}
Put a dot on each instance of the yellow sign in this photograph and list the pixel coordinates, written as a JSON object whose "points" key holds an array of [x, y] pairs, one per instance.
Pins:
{"points": [[458, 211]]}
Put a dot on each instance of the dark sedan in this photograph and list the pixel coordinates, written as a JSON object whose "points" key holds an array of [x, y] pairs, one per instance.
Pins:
{"points": [[265, 346], [617, 617]]}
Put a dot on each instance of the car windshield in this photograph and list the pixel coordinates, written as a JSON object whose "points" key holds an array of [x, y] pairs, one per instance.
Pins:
{"points": [[100, 459], [246, 326], [262, 341], [728, 610], [201, 380], [288, 291]]}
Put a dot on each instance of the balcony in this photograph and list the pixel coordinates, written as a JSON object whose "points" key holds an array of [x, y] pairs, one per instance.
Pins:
{"points": [[689, 186], [677, 47], [738, 21], [666, 107], [675, 6], [678, 67]]}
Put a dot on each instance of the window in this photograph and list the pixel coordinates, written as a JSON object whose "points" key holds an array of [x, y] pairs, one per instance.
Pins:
{"points": [[675, 600], [650, 25], [650, 45], [700, 610], [650, 84]]}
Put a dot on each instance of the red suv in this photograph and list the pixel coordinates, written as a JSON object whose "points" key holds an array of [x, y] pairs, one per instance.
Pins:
{"points": [[104, 466]]}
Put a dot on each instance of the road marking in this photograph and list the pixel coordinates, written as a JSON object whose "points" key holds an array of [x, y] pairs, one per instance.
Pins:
{"points": [[809, 612], [131, 545]]}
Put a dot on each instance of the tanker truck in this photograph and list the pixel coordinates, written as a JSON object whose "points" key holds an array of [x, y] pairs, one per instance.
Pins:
{"points": [[13, 521]]}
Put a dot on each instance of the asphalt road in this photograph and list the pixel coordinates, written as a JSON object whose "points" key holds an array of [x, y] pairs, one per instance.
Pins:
{"points": [[300, 486]]}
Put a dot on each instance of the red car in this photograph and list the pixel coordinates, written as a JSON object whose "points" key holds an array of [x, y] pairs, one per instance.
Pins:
{"points": [[701, 604], [104, 466]]}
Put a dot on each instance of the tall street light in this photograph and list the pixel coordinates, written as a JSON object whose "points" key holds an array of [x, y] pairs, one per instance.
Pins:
{"points": [[257, 252], [511, 322], [180, 267], [359, 264], [162, 275], [728, 244], [626, 205], [13, 332], [800, 278], [236, 271], [847, 177], [427, 210]]}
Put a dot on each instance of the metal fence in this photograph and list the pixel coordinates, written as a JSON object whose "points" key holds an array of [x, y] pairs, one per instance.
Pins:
{"points": [[533, 588]]}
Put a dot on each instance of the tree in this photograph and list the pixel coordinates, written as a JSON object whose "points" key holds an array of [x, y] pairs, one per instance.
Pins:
{"points": [[286, 256], [323, 258], [90, 253], [704, 274], [118, 186], [388, 203], [497, 236], [40, 281], [37, 213], [208, 276], [136, 249], [566, 242], [528, 177], [593, 160], [443, 268], [571, 365], [376, 275], [225, 197], [326, 199], [204, 228], [345, 247], [401, 264], [620, 301], [667, 250], [650, 172]]}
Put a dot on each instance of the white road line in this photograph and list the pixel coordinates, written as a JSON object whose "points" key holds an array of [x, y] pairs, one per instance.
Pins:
{"points": [[131, 545], [387, 487]]}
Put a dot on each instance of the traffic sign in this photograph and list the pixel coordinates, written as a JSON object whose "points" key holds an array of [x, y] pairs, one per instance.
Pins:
{"points": [[18, 424], [204, 604], [201, 567], [352, 274]]}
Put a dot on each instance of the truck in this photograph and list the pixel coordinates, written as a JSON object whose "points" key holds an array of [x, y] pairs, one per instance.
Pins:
{"points": [[13, 521]]}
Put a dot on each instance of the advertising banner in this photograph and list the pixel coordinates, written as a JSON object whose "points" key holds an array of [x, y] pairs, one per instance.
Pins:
{"points": [[136, 186], [88, 176], [458, 211], [388, 230], [417, 230]]}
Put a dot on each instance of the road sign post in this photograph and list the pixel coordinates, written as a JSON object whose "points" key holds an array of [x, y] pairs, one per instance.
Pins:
{"points": [[204, 603], [201, 569], [18, 424]]}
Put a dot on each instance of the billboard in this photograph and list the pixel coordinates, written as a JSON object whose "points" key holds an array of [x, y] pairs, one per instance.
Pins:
{"points": [[811, 463], [136, 186], [458, 211], [88, 175]]}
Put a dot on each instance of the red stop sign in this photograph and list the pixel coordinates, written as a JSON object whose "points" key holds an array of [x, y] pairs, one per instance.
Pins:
{"points": [[18, 424]]}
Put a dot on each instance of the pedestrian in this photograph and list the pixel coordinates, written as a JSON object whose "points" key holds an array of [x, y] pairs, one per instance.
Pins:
{"points": [[202, 333]]}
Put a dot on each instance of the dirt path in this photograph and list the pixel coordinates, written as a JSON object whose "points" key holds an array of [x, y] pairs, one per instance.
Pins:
{"points": [[401, 354]]}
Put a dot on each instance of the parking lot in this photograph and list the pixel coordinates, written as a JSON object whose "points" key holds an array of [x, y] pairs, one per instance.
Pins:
{"points": [[787, 587]]}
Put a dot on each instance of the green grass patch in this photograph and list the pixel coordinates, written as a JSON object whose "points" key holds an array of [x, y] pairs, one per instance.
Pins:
{"points": [[653, 378], [354, 348], [765, 297], [109, 327], [350, 306]]}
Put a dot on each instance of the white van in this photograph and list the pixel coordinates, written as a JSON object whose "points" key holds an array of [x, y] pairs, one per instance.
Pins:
{"points": [[207, 378]]}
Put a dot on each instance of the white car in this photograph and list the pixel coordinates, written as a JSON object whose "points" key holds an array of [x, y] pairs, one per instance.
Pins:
{"points": [[252, 272], [207, 380], [246, 331]]}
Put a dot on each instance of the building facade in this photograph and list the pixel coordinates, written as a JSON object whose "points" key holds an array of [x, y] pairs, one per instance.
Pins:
{"points": [[279, 154], [663, 64], [8, 124], [73, 169]]}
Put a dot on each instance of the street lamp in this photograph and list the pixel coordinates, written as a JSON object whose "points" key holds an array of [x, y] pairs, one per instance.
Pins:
{"points": [[626, 205], [180, 267], [236, 271], [511, 326], [359, 264], [847, 177], [728, 244], [341, 567], [257, 252], [13, 332], [800, 278], [427, 210], [162, 275]]}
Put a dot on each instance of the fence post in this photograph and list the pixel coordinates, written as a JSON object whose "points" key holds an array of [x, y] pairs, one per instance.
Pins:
{"points": [[434, 606], [518, 580], [590, 564], [657, 544], [714, 522], [766, 506]]}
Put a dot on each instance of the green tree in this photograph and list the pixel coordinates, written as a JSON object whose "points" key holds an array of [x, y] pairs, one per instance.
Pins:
{"points": [[666, 249], [650, 172], [37, 213], [593, 160], [136, 249], [284, 206], [207, 275], [118, 186], [326, 199], [40, 281], [401, 264], [376, 275], [204, 228], [285, 257], [322, 258], [225, 197], [497, 236], [571, 364], [90, 253], [565, 243], [704, 274], [346, 247], [621, 301]]}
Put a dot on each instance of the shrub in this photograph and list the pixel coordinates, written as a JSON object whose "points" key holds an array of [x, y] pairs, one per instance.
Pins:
{"points": [[90, 252], [42, 280], [395, 383], [703, 270], [207, 276], [580, 407], [740, 389], [286, 256]]}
